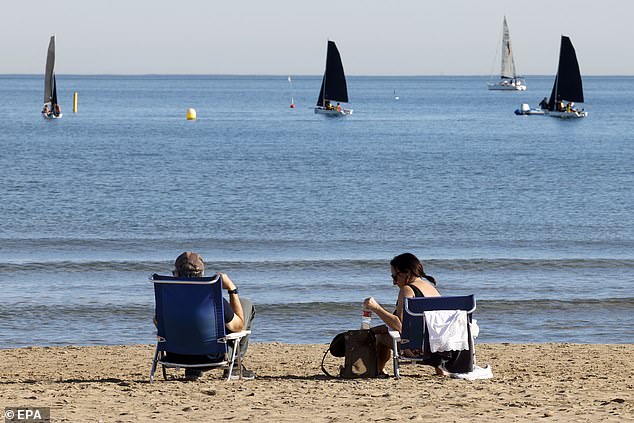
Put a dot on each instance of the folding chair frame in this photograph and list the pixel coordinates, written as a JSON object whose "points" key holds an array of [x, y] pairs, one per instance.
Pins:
{"points": [[466, 303], [159, 357]]}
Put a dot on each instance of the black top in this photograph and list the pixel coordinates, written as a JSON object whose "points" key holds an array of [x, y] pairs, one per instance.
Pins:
{"points": [[417, 291]]}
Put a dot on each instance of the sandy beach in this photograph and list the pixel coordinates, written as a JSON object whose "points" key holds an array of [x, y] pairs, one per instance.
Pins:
{"points": [[543, 382]]}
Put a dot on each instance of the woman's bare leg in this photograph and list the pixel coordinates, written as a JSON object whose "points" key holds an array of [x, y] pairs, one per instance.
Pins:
{"points": [[384, 350]]}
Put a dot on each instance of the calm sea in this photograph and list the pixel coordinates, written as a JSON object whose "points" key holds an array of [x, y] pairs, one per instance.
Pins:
{"points": [[533, 215]]}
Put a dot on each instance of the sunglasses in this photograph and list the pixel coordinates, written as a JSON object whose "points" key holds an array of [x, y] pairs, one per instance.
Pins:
{"points": [[396, 275]]}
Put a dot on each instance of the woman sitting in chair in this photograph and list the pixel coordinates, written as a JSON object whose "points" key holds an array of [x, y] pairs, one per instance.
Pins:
{"points": [[408, 274]]}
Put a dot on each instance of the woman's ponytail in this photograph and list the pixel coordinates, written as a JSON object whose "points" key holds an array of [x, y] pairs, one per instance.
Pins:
{"points": [[429, 278]]}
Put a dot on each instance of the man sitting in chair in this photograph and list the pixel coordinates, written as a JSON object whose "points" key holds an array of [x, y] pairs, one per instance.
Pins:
{"points": [[238, 312]]}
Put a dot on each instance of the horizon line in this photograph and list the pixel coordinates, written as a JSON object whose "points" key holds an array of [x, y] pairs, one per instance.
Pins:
{"points": [[299, 75]]}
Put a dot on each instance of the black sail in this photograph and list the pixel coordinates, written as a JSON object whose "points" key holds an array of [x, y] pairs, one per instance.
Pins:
{"points": [[333, 84], [568, 85], [48, 74]]}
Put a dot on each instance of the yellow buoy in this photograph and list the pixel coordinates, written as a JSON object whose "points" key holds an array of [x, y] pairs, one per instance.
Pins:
{"points": [[75, 102], [191, 114]]}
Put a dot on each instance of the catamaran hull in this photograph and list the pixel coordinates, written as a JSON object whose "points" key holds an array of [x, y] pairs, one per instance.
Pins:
{"points": [[567, 115], [50, 117], [329, 112]]}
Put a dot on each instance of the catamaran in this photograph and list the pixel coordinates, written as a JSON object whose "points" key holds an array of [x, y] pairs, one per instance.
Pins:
{"points": [[51, 108], [333, 86], [568, 87], [509, 80]]}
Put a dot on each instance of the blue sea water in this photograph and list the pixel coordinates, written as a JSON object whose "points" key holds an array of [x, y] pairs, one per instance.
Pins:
{"points": [[533, 215]]}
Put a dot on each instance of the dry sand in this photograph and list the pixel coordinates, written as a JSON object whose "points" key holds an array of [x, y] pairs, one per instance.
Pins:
{"points": [[532, 382]]}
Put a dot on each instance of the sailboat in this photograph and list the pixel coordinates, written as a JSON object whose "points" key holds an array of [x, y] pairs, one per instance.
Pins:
{"points": [[568, 86], [51, 108], [509, 80], [333, 86], [290, 84]]}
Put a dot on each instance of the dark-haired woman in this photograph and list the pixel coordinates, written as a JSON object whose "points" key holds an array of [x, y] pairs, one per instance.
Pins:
{"points": [[408, 274]]}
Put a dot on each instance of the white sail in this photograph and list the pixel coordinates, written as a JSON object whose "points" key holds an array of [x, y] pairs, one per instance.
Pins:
{"points": [[508, 64]]}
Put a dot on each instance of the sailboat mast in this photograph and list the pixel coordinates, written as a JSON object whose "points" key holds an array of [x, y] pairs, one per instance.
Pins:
{"points": [[558, 69], [503, 51], [323, 99]]}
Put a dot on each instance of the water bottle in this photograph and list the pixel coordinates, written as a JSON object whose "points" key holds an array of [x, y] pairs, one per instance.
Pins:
{"points": [[366, 318]]}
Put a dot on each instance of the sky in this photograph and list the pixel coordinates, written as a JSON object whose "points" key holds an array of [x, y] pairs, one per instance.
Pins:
{"points": [[285, 37]]}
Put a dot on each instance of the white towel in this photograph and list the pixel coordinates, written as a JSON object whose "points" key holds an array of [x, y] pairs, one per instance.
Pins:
{"points": [[447, 330], [477, 373]]}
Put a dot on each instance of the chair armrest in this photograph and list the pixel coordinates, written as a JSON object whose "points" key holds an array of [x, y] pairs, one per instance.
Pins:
{"points": [[237, 335], [396, 336], [396, 339], [475, 329]]}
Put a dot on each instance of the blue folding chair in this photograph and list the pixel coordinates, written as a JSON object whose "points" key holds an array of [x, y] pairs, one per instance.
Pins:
{"points": [[414, 334], [190, 325]]}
